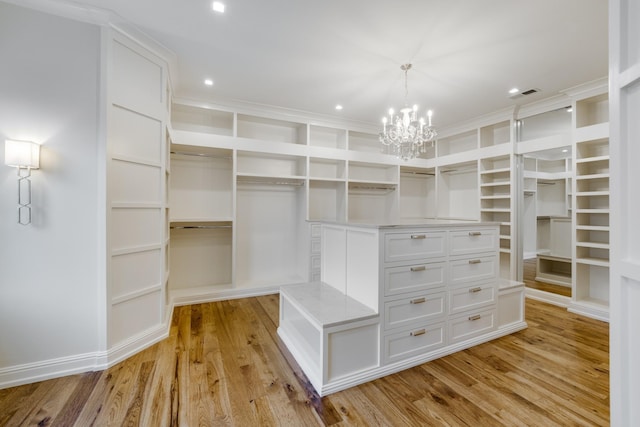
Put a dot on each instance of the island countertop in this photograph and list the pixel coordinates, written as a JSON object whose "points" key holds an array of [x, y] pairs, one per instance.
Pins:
{"points": [[412, 223]]}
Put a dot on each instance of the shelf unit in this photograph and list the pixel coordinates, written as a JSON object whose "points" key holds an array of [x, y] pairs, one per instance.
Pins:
{"points": [[282, 172], [496, 204], [201, 218], [591, 208]]}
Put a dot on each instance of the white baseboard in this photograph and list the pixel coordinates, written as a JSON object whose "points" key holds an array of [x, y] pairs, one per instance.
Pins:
{"points": [[547, 297], [27, 373]]}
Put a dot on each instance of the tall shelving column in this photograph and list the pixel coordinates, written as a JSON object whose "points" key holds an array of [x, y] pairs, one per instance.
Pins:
{"points": [[590, 270], [496, 200], [497, 194]]}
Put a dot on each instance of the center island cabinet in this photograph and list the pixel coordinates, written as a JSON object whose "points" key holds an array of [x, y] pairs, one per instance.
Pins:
{"points": [[393, 296]]}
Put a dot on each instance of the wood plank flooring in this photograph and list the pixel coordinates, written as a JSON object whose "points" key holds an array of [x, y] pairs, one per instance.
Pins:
{"points": [[223, 364]]}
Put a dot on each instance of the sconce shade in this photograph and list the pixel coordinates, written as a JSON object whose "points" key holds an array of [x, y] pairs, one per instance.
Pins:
{"points": [[22, 154]]}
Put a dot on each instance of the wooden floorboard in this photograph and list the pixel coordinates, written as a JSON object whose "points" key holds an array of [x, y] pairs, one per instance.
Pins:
{"points": [[223, 364]]}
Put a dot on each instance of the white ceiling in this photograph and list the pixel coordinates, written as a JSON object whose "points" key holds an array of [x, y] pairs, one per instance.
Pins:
{"points": [[311, 55]]}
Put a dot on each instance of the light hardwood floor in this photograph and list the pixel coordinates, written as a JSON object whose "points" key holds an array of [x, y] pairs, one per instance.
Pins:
{"points": [[223, 364]]}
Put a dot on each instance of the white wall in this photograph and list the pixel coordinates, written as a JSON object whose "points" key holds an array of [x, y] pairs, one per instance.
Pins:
{"points": [[50, 270]]}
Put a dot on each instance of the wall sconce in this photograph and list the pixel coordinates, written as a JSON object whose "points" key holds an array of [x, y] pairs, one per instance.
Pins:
{"points": [[23, 155]]}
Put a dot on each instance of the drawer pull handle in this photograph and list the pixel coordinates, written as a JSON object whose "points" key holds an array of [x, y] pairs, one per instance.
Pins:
{"points": [[421, 268], [476, 317], [474, 290], [475, 233], [418, 300], [475, 261], [418, 236], [418, 332]]}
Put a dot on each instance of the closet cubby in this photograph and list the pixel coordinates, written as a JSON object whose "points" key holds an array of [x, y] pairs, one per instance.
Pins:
{"points": [[320, 136], [417, 192], [266, 129], [499, 133], [202, 120], [543, 125], [458, 195], [330, 169], [457, 143], [591, 206], [201, 255], [200, 184], [360, 141], [592, 111], [265, 165], [373, 172]]}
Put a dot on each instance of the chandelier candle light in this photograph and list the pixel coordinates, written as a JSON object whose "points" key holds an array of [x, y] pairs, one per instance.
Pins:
{"points": [[405, 136]]}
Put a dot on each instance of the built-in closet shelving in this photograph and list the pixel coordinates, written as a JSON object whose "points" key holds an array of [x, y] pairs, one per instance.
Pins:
{"points": [[246, 190], [496, 203], [591, 207]]}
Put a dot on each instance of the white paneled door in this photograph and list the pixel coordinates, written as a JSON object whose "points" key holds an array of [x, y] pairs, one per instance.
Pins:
{"points": [[624, 75]]}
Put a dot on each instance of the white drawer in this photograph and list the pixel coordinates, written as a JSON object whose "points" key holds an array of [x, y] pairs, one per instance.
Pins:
{"points": [[418, 308], [473, 269], [470, 241], [316, 246], [408, 278], [413, 342], [472, 324], [316, 230], [414, 246], [472, 297], [315, 262]]}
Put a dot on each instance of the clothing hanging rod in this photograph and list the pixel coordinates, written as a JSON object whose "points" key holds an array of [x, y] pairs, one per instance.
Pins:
{"points": [[373, 187], [418, 173], [270, 182], [206, 227], [188, 153]]}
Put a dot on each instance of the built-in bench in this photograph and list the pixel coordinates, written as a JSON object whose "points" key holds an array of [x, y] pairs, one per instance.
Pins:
{"points": [[331, 335]]}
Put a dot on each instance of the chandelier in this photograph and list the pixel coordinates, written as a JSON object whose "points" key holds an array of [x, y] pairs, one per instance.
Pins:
{"points": [[405, 136]]}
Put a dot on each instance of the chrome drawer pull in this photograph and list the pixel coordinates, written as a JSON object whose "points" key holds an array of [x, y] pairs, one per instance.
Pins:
{"points": [[474, 261], [421, 268], [418, 332], [476, 317], [418, 236], [475, 233], [418, 300], [474, 290]]}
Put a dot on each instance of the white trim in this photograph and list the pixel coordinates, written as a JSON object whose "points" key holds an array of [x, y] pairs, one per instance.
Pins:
{"points": [[343, 383], [548, 297], [215, 293], [27, 373]]}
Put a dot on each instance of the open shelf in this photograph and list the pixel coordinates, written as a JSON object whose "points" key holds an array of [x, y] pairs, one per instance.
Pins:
{"points": [[266, 129]]}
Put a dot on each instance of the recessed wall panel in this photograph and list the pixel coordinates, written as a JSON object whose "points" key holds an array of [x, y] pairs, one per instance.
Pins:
{"points": [[135, 183], [132, 272], [135, 135], [137, 227]]}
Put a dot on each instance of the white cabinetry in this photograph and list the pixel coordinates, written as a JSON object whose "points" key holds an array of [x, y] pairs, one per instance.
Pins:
{"points": [[591, 207], [426, 291], [136, 176]]}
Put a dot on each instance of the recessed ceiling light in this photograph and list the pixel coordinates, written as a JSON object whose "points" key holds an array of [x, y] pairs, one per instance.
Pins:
{"points": [[569, 109], [514, 90], [565, 151], [218, 7], [338, 107], [208, 82]]}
